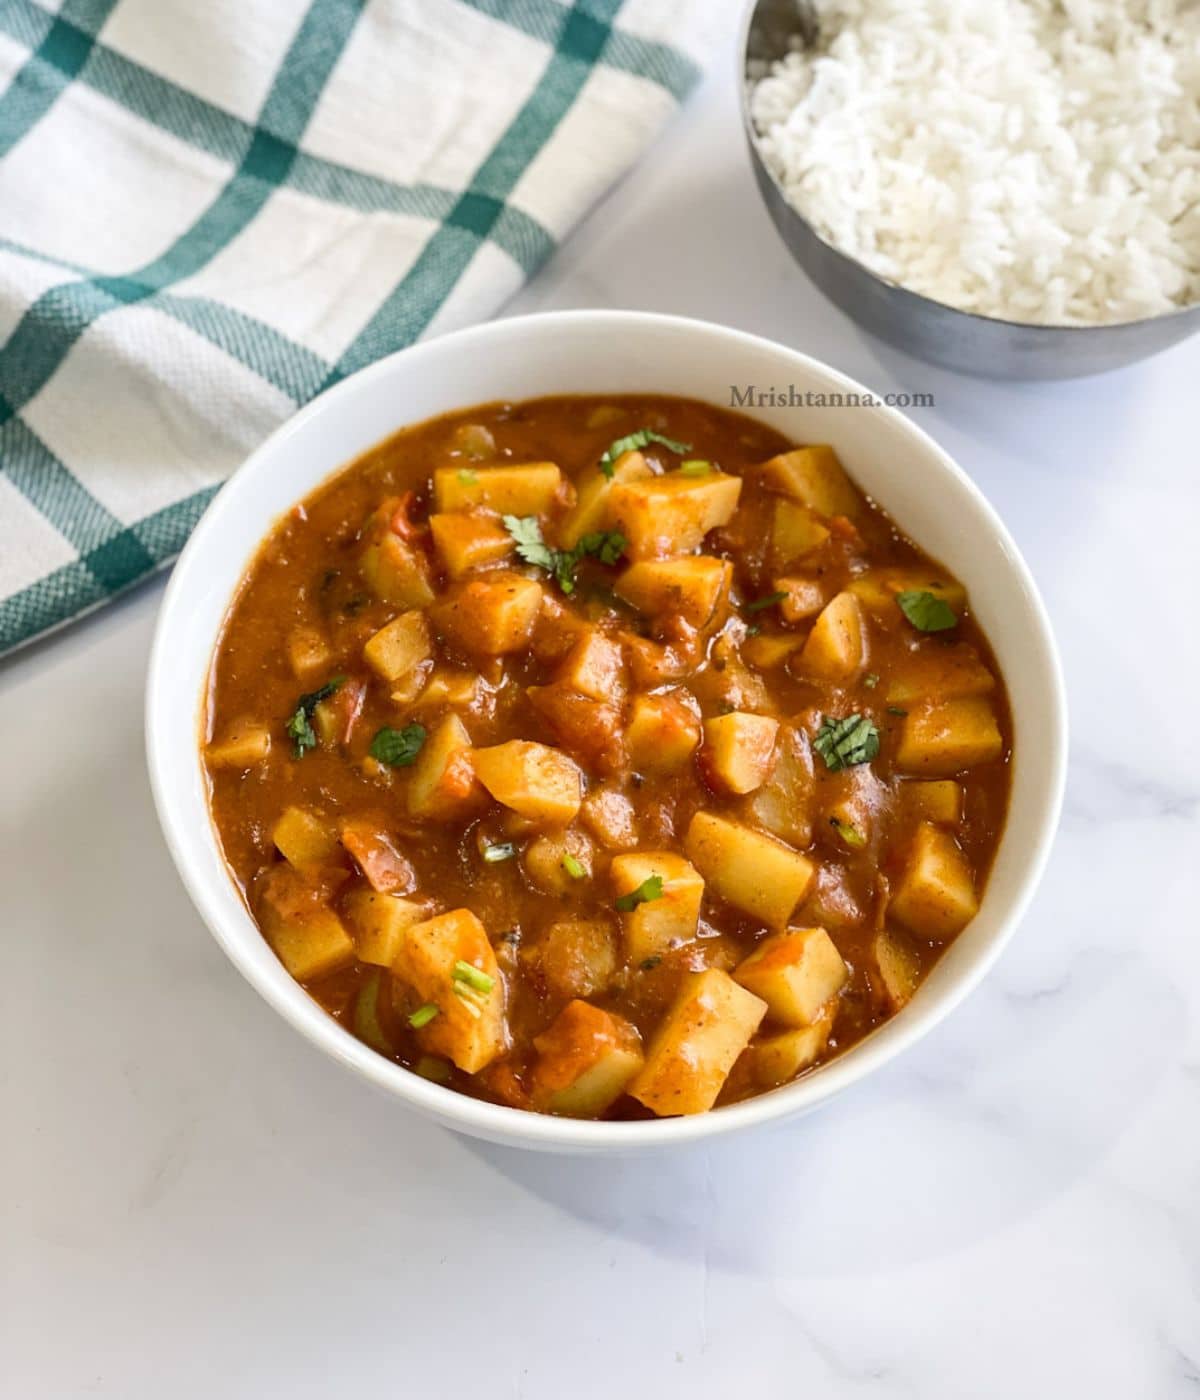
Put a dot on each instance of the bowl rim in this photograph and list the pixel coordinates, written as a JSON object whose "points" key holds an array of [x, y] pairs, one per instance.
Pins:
{"points": [[742, 52], [495, 1122]]}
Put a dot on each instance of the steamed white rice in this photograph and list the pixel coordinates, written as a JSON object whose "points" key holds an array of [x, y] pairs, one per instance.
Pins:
{"points": [[1036, 160]]}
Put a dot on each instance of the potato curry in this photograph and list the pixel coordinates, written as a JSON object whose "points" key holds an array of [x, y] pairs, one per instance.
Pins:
{"points": [[605, 758]]}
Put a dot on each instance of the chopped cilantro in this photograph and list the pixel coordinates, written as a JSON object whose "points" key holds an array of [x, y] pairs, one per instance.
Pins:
{"points": [[650, 889], [605, 545], [843, 743], [926, 611], [299, 726], [398, 748], [760, 603], [642, 438]]}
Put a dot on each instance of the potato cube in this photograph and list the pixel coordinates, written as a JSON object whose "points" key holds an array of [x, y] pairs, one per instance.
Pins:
{"points": [[408, 688], [937, 741], [777, 1059], [443, 783], [308, 937], [852, 803], [379, 922], [671, 514], [451, 687], [302, 838], [595, 666], [576, 957], [938, 801], [395, 649], [727, 683], [662, 733], [585, 1059], [835, 649], [313, 947], [652, 664], [939, 673], [470, 1026], [335, 718], [795, 532], [797, 973], [533, 779], [308, 652], [692, 588], [464, 542], [814, 477], [935, 896], [397, 573], [655, 925], [550, 861], [610, 817], [783, 805], [802, 597], [756, 873], [556, 629], [898, 966], [246, 742], [591, 510], [490, 616], [528, 489], [691, 1054], [877, 588], [768, 652], [739, 751]]}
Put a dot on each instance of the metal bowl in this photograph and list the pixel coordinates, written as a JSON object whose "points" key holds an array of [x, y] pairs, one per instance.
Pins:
{"points": [[930, 329]]}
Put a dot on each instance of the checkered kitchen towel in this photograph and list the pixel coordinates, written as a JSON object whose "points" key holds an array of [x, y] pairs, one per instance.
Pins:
{"points": [[212, 209]]}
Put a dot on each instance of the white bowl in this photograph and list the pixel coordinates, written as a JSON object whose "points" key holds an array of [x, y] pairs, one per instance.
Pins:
{"points": [[925, 492]]}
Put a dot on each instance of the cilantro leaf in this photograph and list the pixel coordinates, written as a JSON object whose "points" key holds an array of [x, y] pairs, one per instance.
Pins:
{"points": [[527, 535], [605, 545], [650, 889], [760, 603], [398, 748], [926, 611], [299, 724], [642, 438], [843, 743]]}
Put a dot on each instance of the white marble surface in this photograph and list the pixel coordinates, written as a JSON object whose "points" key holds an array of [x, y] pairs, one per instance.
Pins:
{"points": [[195, 1203]]}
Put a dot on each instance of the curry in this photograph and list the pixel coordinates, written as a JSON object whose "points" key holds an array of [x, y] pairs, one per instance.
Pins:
{"points": [[604, 757]]}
